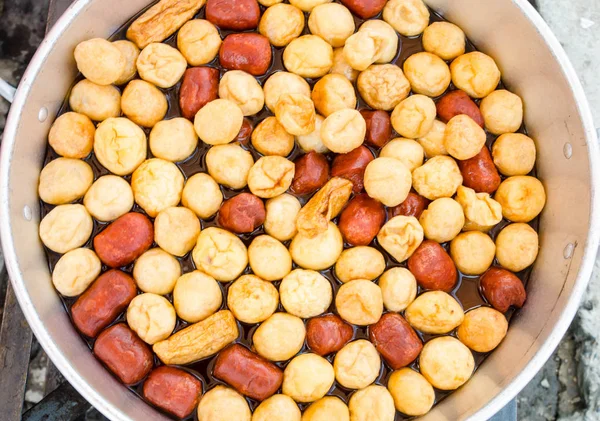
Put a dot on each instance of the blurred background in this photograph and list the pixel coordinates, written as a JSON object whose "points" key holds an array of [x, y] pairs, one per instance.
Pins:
{"points": [[568, 387]]}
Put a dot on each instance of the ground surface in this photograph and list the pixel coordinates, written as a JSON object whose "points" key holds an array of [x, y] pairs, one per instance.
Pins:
{"points": [[568, 388]]}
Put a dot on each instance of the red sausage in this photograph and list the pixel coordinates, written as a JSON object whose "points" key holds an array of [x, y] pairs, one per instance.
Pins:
{"points": [[352, 165], [395, 340], [124, 353], [124, 240], [248, 373], [200, 86], [379, 127], [479, 173], [237, 15], [455, 103], [413, 205], [108, 296], [327, 334], [248, 52], [174, 390]]}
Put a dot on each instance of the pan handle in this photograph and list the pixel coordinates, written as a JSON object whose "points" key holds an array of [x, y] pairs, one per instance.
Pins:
{"points": [[7, 91]]}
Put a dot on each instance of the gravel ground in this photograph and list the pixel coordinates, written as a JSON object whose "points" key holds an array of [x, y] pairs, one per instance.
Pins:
{"points": [[568, 386]]}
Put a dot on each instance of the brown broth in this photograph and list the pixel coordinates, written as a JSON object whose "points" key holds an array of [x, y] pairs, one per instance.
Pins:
{"points": [[467, 290]]}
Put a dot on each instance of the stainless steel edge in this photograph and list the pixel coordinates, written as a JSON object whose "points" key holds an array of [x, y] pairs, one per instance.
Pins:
{"points": [[593, 239], [6, 235], [117, 407]]}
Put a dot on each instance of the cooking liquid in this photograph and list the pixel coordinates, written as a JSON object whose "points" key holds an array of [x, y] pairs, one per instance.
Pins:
{"points": [[466, 290]]}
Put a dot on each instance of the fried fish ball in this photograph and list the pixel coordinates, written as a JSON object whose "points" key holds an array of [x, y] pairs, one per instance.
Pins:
{"points": [[308, 56], [433, 142], [398, 288], [473, 252], [333, 92], [320, 252], [252, 300], [143, 103], [64, 180], [280, 337], [483, 329], [270, 176], [481, 211], [383, 86], [229, 165], [270, 138], [360, 262], [176, 230], [325, 409], [282, 83], [277, 408], [108, 198], [242, 89], [296, 113], [120, 145], [407, 151], [202, 195], [343, 131], [307, 378], [157, 184], [407, 17], [282, 212], [444, 39], [442, 220], [151, 317], [438, 177], [375, 42], [413, 117], [463, 138], [95, 101], [514, 154], [413, 394], [156, 271], [305, 293], [131, 53], [307, 5], [517, 247], [357, 364], [72, 135], [219, 122], [220, 254], [199, 41], [434, 312], [400, 236], [522, 198], [387, 180], [269, 259], [161, 65], [281, 23], [196, 296], [359, 302], [502, 112], [428, 74], [373, 403], [386, 39], [173, 140], [341, 66], [75, 271], [333, 22], [66, 227], [475, 73], [223, 404], [313, 140], [446, 363], [99, 61]]}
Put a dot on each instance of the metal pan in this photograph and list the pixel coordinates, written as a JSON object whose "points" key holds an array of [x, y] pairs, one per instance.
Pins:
{"points": [[557, 116]]}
